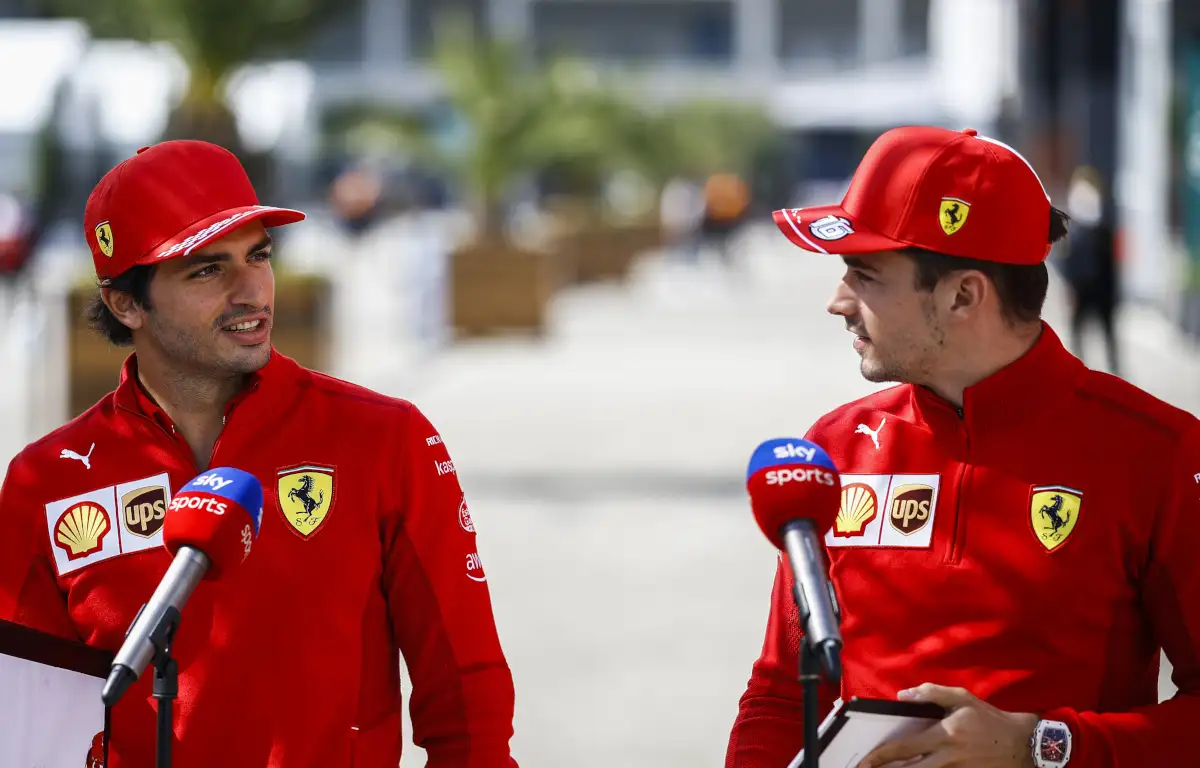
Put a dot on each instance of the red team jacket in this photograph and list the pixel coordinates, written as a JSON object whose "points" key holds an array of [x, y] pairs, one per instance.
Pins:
{"points": [[366, 547], [1037, 548]]}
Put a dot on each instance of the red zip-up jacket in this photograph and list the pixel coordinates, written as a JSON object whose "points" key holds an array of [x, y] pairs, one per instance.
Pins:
{"points": [[1037, 547], [366, 550]]}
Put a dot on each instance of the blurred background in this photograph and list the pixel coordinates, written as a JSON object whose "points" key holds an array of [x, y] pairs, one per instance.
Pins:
{"points": [[546, 222]]}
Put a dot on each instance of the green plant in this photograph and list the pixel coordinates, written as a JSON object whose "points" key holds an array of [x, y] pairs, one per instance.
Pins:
{"points": [[212, 36]]}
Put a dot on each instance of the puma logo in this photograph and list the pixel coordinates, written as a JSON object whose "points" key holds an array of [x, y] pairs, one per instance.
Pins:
{"points": [[67, 453], [863, 429]]}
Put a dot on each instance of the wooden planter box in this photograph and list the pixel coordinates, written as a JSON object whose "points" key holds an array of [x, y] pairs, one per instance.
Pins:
{"points": [[603, 253], [497, 287], [301, 331]]}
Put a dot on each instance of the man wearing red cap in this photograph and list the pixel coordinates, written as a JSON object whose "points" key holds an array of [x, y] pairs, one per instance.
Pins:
{"points": [[1017, 535], [366, 548]]}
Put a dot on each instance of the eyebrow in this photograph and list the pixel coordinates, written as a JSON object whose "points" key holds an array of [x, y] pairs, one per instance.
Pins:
{"points": [[857, 263], [216, 257]]}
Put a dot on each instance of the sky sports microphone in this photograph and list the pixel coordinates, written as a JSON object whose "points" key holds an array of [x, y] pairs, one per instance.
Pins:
{"points": [[795, 492], [209, 527]]}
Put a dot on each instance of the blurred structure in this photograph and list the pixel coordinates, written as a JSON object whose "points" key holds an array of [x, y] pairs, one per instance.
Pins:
{"points": [[1186, 161], [561, 123], [1090, 262]]}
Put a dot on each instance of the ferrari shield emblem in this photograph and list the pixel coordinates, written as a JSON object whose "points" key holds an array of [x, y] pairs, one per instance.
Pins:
{"points": [[953, 214], [1054, 510], [104, 238], [305, 497]]}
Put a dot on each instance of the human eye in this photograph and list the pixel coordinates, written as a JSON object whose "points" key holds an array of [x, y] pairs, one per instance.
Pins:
{"points": [[260, 256], [211, 269]]}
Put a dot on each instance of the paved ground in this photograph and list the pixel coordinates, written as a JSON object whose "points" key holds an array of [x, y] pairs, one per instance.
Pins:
{"points": [[604, 466]]}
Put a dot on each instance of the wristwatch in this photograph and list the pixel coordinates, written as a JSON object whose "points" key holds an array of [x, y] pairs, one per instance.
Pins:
{"points": [[1051, 744]]}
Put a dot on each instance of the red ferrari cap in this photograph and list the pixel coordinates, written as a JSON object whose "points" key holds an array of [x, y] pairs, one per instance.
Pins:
{"points": [[954, 192], [167, 201]]}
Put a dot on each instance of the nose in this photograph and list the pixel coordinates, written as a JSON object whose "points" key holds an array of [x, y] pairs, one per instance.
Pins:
{"points": [[842, 301], [253, 286]]}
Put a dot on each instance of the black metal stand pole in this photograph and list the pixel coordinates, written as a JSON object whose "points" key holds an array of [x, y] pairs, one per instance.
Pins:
{"points": [[166, 686], [810, 681]]}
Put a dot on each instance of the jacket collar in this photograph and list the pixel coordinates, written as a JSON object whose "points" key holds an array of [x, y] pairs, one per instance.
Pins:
{"points": [[1024, 389], [264, 387]]}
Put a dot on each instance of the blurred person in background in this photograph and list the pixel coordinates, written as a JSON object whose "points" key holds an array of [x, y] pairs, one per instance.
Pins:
{"points": [[354, 198], [726, 198], [1090, 263], [681, 207], [25, 225], [1017, 535], [366, 548]]}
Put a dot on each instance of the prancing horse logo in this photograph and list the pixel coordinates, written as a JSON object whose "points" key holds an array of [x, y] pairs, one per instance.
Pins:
{"points": [[104, 238], [306, 496], [1054, 513], [952, 214], [303, 493]]}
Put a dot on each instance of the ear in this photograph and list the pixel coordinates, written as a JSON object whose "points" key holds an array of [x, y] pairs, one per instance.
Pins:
{"points": [[971, 289], [124, 308]]}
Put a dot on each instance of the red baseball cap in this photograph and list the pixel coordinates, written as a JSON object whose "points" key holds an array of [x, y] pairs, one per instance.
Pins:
{"points": [[168, 200], [954, 192]]}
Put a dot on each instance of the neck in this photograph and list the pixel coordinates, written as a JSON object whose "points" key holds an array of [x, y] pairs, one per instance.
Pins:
{"points": [[195, 403], [975, 359]]}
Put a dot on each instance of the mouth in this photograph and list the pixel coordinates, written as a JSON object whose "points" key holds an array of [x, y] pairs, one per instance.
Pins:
{"points": [[249, 330], [243, 327], [247, 323], [861, 340]]}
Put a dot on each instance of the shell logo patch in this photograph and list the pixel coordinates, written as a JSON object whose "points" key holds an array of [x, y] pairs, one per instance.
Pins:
{"points": [[894, 511], [859, 507], [1053, 513], [952, 214], [104, 238], [95, 526], [305, 497], [81, 530]]}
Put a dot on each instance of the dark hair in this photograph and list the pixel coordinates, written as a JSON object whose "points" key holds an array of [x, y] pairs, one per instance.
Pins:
{"points": [[136, 282], [1021, 288]]}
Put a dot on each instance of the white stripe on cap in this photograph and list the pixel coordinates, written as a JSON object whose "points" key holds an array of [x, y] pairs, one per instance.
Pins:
{"points": [[787, 214], [1019, 157]]}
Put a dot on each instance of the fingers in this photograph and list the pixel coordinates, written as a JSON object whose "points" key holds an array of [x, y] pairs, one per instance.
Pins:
{"points": [[929, 761], [950, 698], [901, 751]]}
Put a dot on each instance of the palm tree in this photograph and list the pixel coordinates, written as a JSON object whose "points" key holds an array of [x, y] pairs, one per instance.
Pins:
{"points": [[213, 37], [511, 117]]}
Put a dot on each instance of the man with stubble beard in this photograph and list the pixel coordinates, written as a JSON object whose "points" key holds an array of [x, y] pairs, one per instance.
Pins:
{"points": [[1017, 534], [366, 549]]}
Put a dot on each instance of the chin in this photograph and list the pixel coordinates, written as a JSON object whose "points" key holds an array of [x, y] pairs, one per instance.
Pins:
{"points": [[249, 359], [878, 374]]}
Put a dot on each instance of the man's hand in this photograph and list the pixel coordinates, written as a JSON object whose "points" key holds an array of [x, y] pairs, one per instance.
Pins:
{"points": [[974, 734]]}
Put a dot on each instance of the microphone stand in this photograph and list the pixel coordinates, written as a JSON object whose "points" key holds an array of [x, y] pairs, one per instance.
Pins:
{"points": [[166, 684], [810, 681]]}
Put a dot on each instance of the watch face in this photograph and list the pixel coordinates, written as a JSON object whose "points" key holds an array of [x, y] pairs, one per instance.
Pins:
{"points": [[1053, 745]]}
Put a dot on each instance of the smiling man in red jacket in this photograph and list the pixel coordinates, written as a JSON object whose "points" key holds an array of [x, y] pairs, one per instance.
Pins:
{"points": [[1018, 535], [366, 549]]}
